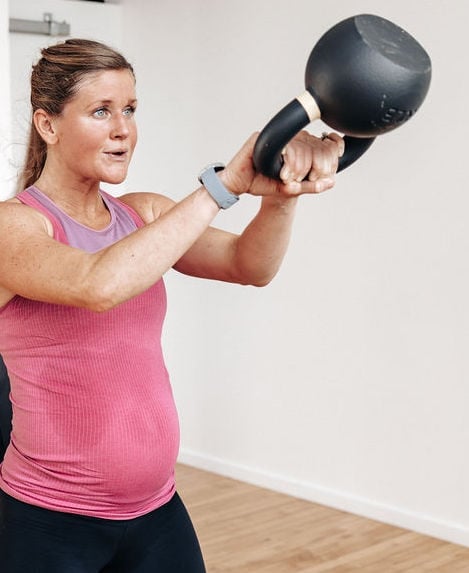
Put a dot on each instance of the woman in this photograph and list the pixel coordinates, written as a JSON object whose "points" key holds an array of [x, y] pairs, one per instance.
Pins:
{"points": [[87, 482]]}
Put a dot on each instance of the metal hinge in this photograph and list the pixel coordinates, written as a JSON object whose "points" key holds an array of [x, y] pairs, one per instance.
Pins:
{"points": [[47, 27]]}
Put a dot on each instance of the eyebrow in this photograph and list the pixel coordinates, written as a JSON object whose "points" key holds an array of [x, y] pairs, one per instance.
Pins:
{"points": [[108, 101]]}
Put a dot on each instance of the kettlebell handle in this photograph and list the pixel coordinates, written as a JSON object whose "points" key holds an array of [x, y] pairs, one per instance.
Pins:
{"points": [[364, 77], [291, 119]]}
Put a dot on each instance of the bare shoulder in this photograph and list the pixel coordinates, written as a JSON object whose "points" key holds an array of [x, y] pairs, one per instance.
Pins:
{"points": [[13, 213], [17, 222], [150, 206]]}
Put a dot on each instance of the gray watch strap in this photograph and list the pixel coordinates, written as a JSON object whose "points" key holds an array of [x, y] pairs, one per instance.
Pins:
{"points": [[212, 183]]}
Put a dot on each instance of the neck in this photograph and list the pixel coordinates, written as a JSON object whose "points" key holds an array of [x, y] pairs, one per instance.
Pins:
{"points": [[83, 204]]}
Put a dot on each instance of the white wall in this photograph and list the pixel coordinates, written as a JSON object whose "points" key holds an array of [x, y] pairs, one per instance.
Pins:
{"points": [[6, 175], [345, 380]]}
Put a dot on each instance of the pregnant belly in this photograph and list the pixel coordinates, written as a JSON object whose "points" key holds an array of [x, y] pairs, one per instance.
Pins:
{"points": [[116, 463]]}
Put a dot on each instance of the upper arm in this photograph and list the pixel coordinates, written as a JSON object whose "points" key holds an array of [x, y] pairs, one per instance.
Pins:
{"points": [[212, 256], [36, 266], [150, 206]]}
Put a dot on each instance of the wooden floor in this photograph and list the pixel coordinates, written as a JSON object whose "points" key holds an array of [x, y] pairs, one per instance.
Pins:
{"points": [[246, 529]]}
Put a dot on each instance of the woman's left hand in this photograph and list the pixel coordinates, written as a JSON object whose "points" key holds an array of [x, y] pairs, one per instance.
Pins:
{"points": [[310, 165]]}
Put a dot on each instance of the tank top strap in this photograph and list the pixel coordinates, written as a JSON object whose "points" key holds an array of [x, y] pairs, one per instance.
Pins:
{"points": [[27, 199], [132, 213]]}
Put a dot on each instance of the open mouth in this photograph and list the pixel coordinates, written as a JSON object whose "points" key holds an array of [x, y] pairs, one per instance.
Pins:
{"points": [[116, 153]]}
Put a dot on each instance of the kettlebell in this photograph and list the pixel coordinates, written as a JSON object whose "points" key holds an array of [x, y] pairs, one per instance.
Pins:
{"points": [[364, 77]]}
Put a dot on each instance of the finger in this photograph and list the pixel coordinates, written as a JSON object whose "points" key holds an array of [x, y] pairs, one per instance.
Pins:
{"points": [[324, 165], [336, 138], [312, 158], [326, 158], [297, 156], [308, 187]]}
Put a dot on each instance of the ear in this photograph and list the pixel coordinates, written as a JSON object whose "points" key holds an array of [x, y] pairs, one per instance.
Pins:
{"points": [[45, 126]]}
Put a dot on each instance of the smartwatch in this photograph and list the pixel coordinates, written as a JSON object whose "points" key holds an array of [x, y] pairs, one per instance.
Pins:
{"points": [[212, 183]]}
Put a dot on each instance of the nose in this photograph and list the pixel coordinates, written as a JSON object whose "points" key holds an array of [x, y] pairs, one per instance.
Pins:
{"points": [[120, 127]]}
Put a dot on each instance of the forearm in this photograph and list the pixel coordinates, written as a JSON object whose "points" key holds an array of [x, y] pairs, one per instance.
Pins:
{"points": [[262, 246]]}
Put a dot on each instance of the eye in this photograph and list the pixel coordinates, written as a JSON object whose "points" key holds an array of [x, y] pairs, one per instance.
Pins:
{"points": [[100, 112], [129, 111]]}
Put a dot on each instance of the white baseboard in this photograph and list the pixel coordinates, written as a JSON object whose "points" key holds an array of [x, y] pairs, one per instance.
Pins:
{"points": [[424, 524]]}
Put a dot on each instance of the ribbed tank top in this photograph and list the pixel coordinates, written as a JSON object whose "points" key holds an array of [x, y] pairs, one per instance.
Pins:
{"points": [[95, 428]]}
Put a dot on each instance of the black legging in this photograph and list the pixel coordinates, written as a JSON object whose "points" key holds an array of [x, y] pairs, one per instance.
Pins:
{"points": [[36, 540], [5, 409]]}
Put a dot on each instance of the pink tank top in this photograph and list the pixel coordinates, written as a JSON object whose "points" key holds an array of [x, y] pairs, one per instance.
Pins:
{"points": [[95, 428]]}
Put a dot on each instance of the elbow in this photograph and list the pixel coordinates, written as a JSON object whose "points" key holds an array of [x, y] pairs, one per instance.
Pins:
{"points": [[255, 277], [258, 281], [99, 298], [262, 282], [102, 302], [100, 306], [261, 277]]}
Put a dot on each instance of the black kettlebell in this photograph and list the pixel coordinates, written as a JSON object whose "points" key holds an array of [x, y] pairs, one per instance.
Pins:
{"points": [[364, 77]]}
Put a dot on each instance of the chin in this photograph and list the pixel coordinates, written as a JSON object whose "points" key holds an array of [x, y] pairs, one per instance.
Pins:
{"points": [[114, 180]]}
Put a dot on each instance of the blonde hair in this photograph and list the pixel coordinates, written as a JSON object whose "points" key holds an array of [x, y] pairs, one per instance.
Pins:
{"points": [[55, 79]]}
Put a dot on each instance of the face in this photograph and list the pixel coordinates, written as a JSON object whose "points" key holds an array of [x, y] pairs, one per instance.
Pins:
{"points": [[95, 136]]}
